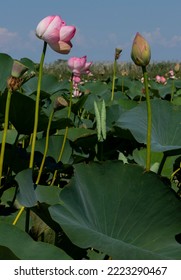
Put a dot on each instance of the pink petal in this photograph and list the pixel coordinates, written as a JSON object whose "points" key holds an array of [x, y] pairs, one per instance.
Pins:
{"points": [[76, 64], [67, 33], [61, 47], [48, 29], [86, 69], [42, 25], [76, 79]]}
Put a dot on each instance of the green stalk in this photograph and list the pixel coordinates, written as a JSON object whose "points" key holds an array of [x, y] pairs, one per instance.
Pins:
{"points": [[114, 78], [173, 90], [6, 121], [35, 126], [66, 131], [122, 84], [46, 147], [37, 106], [149, 119]]}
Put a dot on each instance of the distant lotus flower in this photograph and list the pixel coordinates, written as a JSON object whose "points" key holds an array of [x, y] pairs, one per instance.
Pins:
{"points": [[158, 78], [77, 92], [163, 80], [142, 80], [79, 66], [54, 31], [177, 67], [76, 79], [171, 74], [140, 53]]}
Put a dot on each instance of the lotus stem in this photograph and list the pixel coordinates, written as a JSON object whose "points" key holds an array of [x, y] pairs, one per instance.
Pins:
{"points": [[35, 122], [114, 78], [173, 91], [18, 215], [46, 147], [149, 119], [6, 121], [37, 106], [66, 131]]}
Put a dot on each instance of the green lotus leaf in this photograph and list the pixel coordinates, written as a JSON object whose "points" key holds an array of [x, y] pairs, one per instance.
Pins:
{"points": [[166, 124], [26, 193], [6, 63], [22, 246], [21, 115], [120, 210], [55, 144], [7, 254], [50, 85]]}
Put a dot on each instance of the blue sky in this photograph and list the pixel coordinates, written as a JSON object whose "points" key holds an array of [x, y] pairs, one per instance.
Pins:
{"points": [[102, 25]]}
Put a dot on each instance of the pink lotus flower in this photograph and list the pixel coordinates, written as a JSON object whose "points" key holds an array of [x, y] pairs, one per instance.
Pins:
{"points": [[160, 79], [163, 80], [54, 31], [79, 66], [157, 78], [171, 74]]}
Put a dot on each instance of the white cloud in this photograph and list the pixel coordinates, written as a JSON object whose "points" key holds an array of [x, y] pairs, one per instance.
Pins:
{"points": [[7, 38], [175, 41], [157, 38], [14, 43], [32, 35], [31, 42]]}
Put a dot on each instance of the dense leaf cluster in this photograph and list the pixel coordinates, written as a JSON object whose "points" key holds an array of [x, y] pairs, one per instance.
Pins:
{"points": [[102, 203]]}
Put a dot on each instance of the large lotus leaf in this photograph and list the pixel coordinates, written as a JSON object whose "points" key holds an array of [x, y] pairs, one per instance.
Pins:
{"points": [[54, 147], [50, 85], [98, 90], [6, 63], [160, 89], [112, 114], [122, 83], [46, 194], [29, 63], [21, 113], [26, 193], [135, 89], [139, 156], [7, 254], [166, 124], [96, 87], [10, 137], [74, 133], [16, 158], [25, 248], [7, 213], [120, 210]]}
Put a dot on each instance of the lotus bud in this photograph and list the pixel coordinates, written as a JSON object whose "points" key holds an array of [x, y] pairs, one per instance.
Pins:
{"points": [[60, 102], [18, 69], [16, 79], [141, 52], [117, 53], [177, 67]]}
